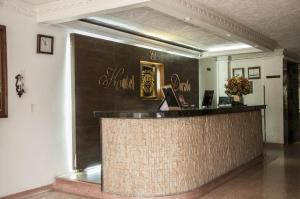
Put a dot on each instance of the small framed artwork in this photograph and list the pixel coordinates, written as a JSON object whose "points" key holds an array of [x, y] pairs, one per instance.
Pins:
{"points": [[254, 72], [152, 78], [148, 80], [238, 72], [45, 44]]}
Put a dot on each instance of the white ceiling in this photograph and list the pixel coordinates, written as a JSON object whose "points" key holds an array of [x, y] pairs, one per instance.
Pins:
{"points": [[277, 19], [38, 2], [154, 23]]}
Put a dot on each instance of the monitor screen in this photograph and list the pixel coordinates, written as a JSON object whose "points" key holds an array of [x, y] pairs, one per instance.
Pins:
{"points": [[207, 98], [170, 96], [224, 100]]}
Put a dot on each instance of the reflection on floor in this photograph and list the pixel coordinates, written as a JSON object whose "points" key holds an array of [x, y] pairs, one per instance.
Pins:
{"points": [[92, 175], [56, 195], [278, 177]]}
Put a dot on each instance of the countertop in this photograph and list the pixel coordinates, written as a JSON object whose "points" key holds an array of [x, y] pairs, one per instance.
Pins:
{"points": [[142, 114]]}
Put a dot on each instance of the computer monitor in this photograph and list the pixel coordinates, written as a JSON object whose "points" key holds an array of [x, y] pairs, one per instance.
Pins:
{"points": [[170, 98], [207, 98], [223, 101]]}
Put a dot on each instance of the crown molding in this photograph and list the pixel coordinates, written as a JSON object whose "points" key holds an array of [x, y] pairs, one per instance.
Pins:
{"points": [[223, 58], [275, 53], [212, 21], [67, 10], [229, 52], [258, 55], [19, 7]]}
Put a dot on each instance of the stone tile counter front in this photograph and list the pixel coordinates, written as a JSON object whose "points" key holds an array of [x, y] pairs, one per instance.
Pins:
{"points": [[169, 153]]}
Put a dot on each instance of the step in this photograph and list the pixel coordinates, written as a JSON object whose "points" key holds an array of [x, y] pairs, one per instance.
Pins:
{"points": [[87, 189]]}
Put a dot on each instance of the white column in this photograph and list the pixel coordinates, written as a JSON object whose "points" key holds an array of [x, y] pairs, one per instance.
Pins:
{"points": [[223, 73]]}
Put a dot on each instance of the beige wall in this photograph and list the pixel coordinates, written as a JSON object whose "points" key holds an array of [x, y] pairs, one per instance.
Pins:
{"points": [[207, 79], [34, 144], [274, 92], [271, 64]]}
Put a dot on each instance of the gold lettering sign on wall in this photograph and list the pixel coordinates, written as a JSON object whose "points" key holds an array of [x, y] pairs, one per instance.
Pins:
{"points": [[152, 78], [178, 85], [117, 79]]}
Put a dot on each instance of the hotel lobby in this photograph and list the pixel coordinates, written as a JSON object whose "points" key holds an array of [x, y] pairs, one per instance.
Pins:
{"points": [[183, 99]]}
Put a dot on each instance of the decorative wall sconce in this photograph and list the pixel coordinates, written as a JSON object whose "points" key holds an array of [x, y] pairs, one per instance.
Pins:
{"points": [[19, 85]]}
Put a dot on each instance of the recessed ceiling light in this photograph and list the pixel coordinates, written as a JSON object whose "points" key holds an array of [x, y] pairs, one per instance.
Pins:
{"points": [[187, 19], [228, 35]]}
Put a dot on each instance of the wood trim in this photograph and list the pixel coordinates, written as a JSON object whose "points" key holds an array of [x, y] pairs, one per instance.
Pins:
{"points": [[79, 188], [3, 74], [29, 193]]}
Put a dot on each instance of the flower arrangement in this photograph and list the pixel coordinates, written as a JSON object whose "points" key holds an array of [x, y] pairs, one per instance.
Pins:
{"points": [[237, 86]]}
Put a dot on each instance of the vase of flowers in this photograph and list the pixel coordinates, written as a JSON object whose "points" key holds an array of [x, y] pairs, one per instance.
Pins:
{"points": [[236, 87]]}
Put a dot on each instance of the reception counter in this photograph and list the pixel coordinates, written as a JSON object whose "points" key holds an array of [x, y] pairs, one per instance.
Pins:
{"points": [[176, 154]]}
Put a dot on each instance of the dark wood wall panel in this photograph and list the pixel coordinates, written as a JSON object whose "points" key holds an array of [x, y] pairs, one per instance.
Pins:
{"points": [[91, 58]]}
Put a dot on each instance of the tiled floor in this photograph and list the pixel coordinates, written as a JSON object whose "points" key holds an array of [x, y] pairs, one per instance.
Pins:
{"points": [[277, 178], [55, 195]]}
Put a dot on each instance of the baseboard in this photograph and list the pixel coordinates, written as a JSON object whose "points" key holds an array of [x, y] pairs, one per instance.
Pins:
{"points": [[29, 193], [91, 190], [274, 145]]}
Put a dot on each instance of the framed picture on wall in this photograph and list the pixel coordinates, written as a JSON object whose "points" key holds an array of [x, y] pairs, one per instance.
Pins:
{"points": [[45, 44], [148, 81], [151, 80], [238, 72], [254, 72]]}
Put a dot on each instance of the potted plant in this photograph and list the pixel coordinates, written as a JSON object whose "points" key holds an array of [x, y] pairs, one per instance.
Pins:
{"points": [[236, 87]]}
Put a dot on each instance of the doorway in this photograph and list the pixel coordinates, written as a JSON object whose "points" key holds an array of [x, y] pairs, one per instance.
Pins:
{"points": [[291, 102]]}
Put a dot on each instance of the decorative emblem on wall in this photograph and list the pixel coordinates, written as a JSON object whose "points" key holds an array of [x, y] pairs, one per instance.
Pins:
{"points": [[116, 78], [177, 85], [19, 85], [152, 55]]}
